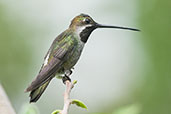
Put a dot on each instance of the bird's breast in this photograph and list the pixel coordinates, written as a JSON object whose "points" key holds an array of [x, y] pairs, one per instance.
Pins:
{"points": [[74, 56]]}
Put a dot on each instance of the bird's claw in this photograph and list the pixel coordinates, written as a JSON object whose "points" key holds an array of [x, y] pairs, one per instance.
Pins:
{"points": [[65, 78], [68, 72]]}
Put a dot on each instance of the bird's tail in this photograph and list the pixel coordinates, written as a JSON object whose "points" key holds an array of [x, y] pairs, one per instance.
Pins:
{"points": [[36, 93]]}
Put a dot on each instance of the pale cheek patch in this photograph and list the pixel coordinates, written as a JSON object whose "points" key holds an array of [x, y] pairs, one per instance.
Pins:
{"points": [[80, 29]]}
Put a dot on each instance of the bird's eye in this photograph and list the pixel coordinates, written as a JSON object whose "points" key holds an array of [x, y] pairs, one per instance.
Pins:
{"points": [[87, 21]]}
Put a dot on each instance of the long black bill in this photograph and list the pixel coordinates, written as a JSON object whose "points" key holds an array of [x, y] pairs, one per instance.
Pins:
{"points": [[117, 27]]}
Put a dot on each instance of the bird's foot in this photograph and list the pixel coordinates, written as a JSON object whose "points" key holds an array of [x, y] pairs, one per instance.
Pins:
{"points": [[68, 72], [65, 78]]}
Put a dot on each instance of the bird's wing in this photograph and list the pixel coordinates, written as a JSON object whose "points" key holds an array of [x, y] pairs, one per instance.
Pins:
{"points": [[53, 60]]}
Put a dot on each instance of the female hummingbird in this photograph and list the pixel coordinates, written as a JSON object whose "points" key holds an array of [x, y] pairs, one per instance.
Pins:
{"points": [[65, 52]]}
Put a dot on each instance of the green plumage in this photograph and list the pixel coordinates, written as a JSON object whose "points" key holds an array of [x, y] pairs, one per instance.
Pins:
{"points": [[68, 41], [62, 56]]}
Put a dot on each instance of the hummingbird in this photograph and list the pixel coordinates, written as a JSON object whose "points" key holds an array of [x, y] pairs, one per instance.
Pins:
{"points": [[64, 53]]}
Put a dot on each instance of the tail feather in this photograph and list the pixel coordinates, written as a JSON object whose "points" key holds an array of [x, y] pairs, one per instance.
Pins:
{"points": [[36, 93]]}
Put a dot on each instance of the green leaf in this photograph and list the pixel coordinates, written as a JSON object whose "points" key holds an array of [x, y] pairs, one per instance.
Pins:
{"points": [[78, 103], [74, 82], [56, 112]]}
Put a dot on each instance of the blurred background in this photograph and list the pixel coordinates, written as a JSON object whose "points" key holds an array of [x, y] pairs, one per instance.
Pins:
{"points": [[120, 72]]}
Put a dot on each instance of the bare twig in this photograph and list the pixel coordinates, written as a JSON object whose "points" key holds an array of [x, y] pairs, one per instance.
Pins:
{"points": [[5, 105], [67, 100]]}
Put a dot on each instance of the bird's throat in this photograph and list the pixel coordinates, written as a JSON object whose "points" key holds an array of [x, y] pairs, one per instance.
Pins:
{"points": [[85, 33]]}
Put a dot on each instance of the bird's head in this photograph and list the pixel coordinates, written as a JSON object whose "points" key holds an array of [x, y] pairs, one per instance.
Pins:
{"points": [[82, 20], [83, 25]]}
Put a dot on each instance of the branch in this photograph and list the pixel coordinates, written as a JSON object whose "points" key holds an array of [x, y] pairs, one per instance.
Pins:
{"points": [[5, 105], [67, 100]]}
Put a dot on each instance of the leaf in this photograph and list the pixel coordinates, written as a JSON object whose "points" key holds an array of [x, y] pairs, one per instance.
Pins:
{"points": [[56, 112], [78, 103], [74, 82]]}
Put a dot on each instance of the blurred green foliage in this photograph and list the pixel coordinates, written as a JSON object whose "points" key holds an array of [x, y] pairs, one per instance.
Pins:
{"points": [[155, 22], [129, 109], [29, 109], [15, 56]]}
